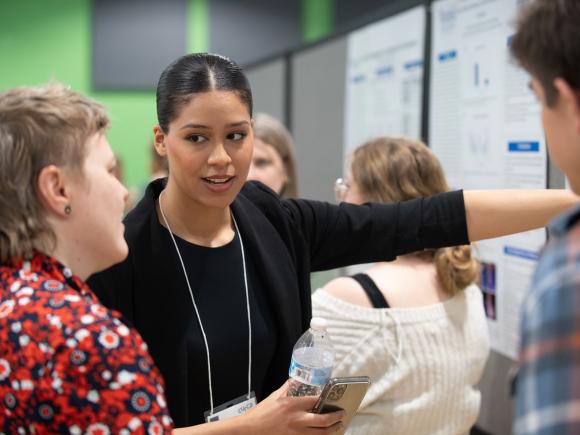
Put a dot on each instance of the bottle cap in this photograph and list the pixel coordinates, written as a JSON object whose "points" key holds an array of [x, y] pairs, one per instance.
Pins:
{"points": [[318, 323]]}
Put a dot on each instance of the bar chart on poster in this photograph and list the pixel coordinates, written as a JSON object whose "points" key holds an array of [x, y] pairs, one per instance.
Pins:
{"points": [[384, 78], [484, 125]]}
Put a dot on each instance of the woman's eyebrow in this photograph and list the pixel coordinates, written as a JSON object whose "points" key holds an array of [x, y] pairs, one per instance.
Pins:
{"points": [[191, 125], [233, 124]]}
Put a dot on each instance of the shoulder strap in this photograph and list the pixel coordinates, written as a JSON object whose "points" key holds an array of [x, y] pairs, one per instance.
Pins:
{"points": [[374, 294]]}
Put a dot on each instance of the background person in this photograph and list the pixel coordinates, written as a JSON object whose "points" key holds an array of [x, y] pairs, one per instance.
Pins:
{"points": [[273, 161], [415, 325]]}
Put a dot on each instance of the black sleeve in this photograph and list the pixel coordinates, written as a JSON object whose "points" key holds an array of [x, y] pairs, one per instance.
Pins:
{"points": [[340, 235]]}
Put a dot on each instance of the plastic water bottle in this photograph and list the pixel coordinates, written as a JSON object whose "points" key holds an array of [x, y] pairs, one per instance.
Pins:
{"points": [[312, 361]]}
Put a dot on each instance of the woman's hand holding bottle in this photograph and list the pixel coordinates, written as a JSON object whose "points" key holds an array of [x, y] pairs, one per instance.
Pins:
{"points": [[285, 415]]}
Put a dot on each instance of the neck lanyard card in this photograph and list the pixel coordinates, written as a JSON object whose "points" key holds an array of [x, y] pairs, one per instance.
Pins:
{"points": [[233, 408]]}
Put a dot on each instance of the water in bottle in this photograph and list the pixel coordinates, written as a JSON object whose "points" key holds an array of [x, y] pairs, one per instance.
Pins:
{"points": [[312, 361]]}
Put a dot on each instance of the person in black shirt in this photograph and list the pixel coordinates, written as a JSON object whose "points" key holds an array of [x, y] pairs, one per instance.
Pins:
{"points": [[217, 277]]}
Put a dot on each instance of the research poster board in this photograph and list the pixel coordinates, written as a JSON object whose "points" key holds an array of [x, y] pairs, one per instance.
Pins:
{"points": [[484, 125], [384, 79]]}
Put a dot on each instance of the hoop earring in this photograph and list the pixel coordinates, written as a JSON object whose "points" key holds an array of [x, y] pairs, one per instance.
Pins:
{"points": [[67, 209]]}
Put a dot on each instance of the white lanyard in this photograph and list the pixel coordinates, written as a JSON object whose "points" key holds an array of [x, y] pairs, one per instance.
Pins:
{"points": [[197, 311]]}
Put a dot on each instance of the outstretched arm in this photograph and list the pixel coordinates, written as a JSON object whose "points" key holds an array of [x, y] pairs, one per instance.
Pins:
{"points": [[495, 213]]}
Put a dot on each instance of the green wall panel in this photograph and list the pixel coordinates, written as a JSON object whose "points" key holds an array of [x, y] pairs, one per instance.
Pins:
{"points": [[198, 29], [42, 40], [317, 19]]}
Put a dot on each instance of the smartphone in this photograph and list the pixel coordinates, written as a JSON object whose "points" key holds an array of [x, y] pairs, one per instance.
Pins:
{"points": [[342, 394]]}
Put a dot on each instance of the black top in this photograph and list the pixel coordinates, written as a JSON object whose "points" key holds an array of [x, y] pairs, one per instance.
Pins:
{"points": [[226, 332], [285, 240], [373, 293]]}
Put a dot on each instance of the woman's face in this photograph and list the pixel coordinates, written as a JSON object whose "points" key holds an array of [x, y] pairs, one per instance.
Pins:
{"points": [[98, 202], [268, 167], [209, 148]]}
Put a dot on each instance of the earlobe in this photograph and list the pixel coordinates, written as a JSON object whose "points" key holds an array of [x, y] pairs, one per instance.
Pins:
{"points": [[159, 140], [53, 190]]}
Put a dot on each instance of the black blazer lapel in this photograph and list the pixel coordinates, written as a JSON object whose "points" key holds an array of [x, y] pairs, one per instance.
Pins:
{"points": [[277, 271]]}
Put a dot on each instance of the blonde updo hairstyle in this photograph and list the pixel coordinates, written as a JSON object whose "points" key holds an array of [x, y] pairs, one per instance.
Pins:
{"points": [[272, 132], [389, 170], [39, 126]]}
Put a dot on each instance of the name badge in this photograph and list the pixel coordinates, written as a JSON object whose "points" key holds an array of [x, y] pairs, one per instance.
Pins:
{"points": [[233, 408]]}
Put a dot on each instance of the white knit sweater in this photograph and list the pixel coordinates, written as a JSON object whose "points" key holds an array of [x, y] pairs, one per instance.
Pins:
{"points": [[423, 362]]}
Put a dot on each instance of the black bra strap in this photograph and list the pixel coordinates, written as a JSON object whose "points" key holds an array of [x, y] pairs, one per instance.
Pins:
{"points": [[374, 294]]}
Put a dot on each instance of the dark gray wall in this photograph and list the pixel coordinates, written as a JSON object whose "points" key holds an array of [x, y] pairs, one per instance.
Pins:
{"points": [[134, 40], [495, 416], [268, 82], [250, 30], [318, 84], [346, 11], [350, 14]]}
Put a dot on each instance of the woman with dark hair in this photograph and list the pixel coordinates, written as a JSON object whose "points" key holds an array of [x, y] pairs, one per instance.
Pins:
{"points": [[217, 277]]}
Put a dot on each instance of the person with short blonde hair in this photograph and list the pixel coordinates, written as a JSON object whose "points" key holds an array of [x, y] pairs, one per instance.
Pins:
{"points": [[273, 160], [67, 364], [41, 126], [415, 325]]}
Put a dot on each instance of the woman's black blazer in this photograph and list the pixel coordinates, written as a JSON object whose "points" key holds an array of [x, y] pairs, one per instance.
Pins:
{"points": [[286, 239]]}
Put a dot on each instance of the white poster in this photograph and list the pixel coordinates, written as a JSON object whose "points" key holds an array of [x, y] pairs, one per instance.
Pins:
{"points": [[485, 127], [384, 79]]}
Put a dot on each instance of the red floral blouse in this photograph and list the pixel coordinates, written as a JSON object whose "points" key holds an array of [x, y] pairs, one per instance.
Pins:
{"points": [[68, 364]]}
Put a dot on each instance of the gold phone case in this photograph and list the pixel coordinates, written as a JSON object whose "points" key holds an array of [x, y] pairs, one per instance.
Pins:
{"points": [[342, 393]]}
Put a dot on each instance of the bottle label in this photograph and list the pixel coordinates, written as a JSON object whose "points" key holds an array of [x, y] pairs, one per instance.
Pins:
{"points": [[309, 375]]}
